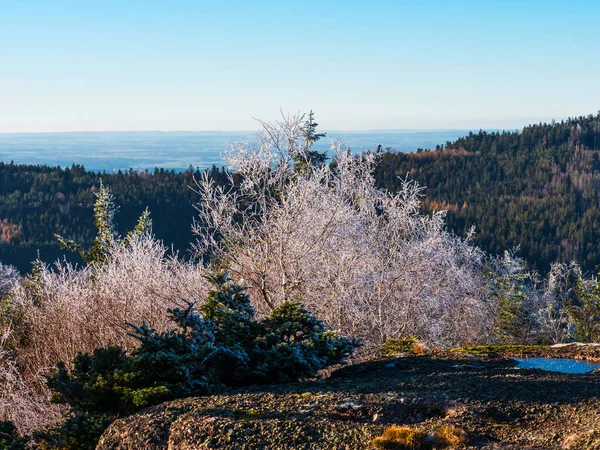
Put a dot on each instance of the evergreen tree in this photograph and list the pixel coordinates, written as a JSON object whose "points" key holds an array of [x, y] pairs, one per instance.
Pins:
{"points": [[218, 346], [585, 309], [107, 236], [308, 158]]}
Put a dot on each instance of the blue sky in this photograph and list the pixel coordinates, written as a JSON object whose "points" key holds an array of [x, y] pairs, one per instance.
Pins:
{"points": [[183, 65]]}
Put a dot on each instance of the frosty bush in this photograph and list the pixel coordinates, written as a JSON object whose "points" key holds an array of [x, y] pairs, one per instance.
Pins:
{"points": [[23, 399], [562, 307], [8, 279], [219, 345], [364, 260], [60, 311], [552, 303], [73, 309], [585, 309], [67, 310], [513, 288]]}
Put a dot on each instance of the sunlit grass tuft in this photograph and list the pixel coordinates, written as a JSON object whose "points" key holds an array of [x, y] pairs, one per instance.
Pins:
{"points": [[396, 437]]}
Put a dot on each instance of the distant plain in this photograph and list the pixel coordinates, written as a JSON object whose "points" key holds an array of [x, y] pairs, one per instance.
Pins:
{"points": [[114, 151]]}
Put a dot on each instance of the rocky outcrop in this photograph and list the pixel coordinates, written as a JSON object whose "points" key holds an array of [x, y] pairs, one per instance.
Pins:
{"points": [[491, 400], [243, 421]]}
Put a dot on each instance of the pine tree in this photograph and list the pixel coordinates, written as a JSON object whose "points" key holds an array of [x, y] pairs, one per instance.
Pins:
{"points": [[107, 236], [308, 158]]}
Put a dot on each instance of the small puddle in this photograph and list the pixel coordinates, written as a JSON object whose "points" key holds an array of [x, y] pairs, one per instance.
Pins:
{"points": [[563, 365]]}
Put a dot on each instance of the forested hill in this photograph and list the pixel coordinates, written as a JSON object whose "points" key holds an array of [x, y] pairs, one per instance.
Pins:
{"points": [[38, 201], [538, 188]]}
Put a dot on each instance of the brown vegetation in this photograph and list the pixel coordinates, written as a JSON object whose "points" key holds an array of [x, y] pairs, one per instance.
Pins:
{"points": [[9, 231]]}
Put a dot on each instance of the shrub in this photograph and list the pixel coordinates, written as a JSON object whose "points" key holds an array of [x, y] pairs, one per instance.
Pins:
{"points": [[367, 261], [9, 438], [585, 310], [510, 286], [8, 279], [220, 345], [59, 311], [23, 400]]}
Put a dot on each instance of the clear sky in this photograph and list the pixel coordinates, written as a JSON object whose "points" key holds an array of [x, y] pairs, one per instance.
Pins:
{"points": [[216, 65]]}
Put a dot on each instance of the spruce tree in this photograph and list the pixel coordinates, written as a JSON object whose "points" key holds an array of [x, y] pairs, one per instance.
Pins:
{"points": [[214, 347], [107, 235], [308, 158]]}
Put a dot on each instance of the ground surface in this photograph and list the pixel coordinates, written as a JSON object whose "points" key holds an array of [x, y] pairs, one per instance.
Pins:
{"points": [[497, 405]]}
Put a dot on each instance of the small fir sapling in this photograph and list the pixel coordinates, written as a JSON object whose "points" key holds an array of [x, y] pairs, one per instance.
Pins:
{"points": [[105, 210]]}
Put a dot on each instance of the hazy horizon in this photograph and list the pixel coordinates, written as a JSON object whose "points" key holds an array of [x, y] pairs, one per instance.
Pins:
{"points": [[252, 132], [120, 150], [468, 125]]}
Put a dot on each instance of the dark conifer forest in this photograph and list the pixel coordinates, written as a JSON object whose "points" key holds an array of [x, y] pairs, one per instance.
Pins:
{"points": [[538, 189], [37, 202]]}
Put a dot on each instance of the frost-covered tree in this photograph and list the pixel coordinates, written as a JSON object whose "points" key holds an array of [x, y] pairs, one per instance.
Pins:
{"points": [[308, 158], [66, 309], [511, 286], [552, 303], [364, 260], [105, 210], [585, 309], [8, 278]]}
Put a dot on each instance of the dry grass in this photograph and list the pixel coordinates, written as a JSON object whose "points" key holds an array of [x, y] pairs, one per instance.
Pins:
{"points": [[396, 437], [419, 349], [451, 436], [403, 437]]}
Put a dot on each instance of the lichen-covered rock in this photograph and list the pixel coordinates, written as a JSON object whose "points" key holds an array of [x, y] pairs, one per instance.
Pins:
{"points": [[246, 421], [495, 404]]}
